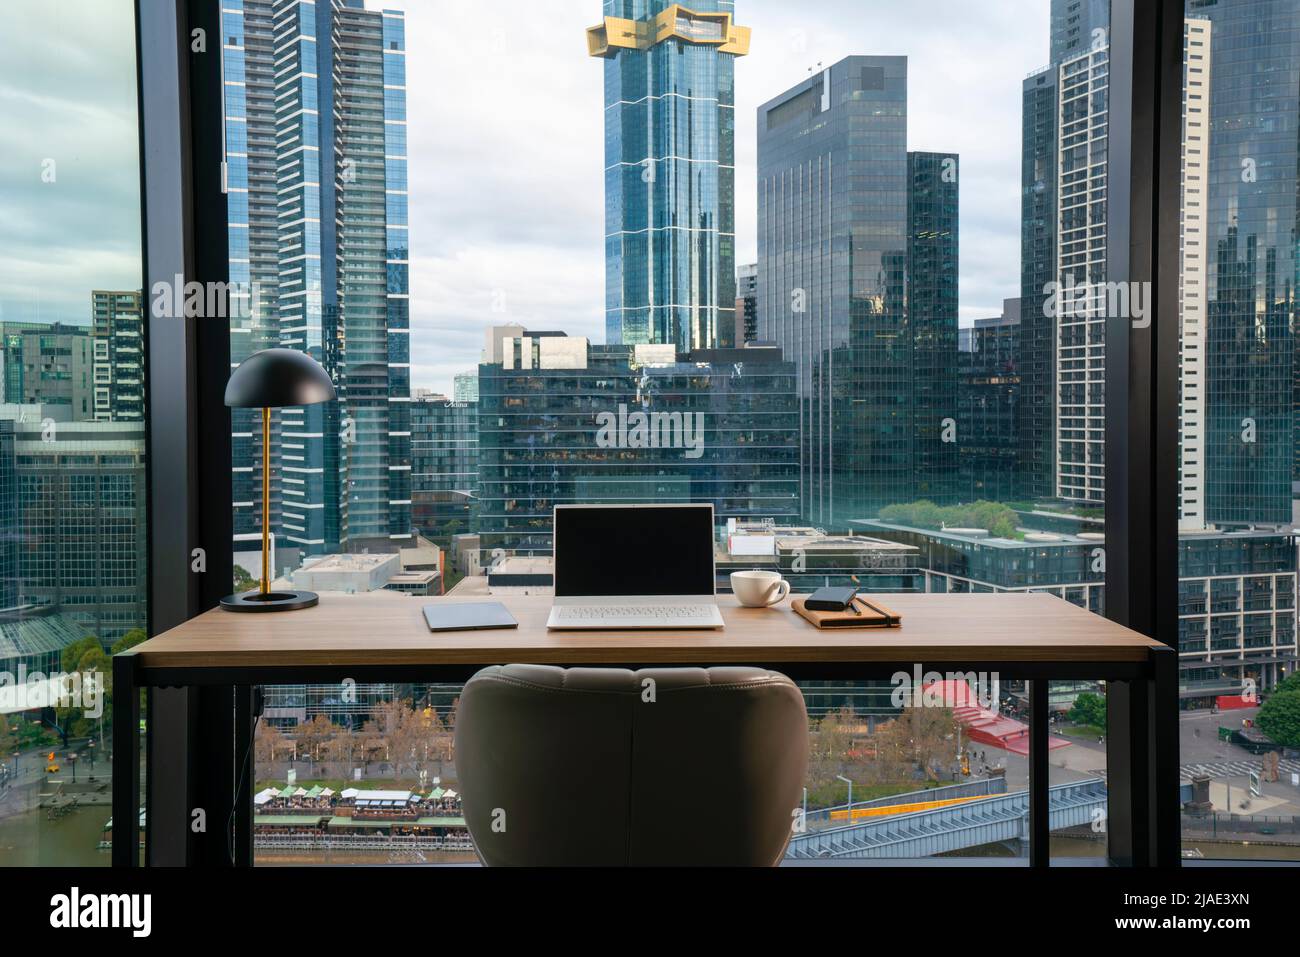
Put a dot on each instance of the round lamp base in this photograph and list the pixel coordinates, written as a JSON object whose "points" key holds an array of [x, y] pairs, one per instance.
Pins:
{"points": [[272, 601]]}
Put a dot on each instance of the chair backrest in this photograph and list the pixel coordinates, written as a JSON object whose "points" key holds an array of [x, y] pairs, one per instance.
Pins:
{"points": [[606, 766]]}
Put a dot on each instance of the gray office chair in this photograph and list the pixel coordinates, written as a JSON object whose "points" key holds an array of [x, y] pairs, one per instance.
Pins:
{"points": [[593, 766]]}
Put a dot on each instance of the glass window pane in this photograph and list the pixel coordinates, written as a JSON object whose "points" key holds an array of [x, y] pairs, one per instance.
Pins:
{"points": [[1239, 465], [73, 572]]}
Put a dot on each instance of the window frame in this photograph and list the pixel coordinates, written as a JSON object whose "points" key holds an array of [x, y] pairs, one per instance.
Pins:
{"points": [[184, 224]]}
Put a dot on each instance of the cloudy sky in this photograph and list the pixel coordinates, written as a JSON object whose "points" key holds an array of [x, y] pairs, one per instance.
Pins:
{"points": [[69, 168], [507, 150]]}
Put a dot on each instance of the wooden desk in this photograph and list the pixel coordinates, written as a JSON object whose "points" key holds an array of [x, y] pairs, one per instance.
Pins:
{"points": [[383, 637]]}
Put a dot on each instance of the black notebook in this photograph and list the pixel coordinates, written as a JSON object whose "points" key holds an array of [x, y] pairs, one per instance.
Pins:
{"points": [[468, 616]]}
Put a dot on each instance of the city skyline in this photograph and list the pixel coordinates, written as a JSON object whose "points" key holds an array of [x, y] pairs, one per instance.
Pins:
{"points": [[488, 156], [468, 272]]}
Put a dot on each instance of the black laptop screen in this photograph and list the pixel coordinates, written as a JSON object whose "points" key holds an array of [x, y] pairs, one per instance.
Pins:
{"points": [[625, 550]]}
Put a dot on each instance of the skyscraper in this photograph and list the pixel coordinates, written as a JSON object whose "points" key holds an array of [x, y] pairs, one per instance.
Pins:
{"points": [[1251, 259], [669, 170], [1081, 304], [117, 338], [1035, 419], [1077, 26], [1192, 290], [316, 171], [989, 397], [857, 283], [746, 303]]}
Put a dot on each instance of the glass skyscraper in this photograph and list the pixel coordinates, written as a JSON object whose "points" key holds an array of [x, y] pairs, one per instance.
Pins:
{"points": [[989, 396], [669, 170], [1251, 260], [317, 185], [857, 283]]}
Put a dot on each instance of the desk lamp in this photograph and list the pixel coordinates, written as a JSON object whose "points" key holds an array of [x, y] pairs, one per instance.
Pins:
{"points": [[266, 380]]}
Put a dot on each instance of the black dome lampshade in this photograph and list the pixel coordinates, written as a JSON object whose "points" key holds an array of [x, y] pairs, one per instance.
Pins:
{"points": [[266, 380], [274, 378]]}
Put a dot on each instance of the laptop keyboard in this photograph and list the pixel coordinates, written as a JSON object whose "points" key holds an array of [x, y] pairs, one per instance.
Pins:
{"points": [[660, 612]]}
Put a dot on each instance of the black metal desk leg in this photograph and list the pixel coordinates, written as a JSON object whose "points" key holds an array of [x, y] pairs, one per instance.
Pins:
{"points": [[1040, 831], [1142, 760], [126, 762], [1164, 813], [243, 796]]}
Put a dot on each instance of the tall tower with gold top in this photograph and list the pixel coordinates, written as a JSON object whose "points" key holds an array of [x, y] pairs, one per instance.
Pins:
{"points": [[670, 177]]}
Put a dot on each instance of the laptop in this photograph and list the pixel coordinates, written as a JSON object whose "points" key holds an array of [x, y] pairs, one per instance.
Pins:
{"points": [[634, 566]]}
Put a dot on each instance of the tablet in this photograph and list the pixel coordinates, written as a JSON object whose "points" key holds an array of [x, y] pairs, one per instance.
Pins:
{"points": [[468, 616]]}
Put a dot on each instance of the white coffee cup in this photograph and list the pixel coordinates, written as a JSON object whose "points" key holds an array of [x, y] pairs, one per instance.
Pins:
{"points": [[758, 589]]}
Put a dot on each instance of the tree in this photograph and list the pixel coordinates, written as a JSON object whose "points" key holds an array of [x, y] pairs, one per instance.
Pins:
{"points": [[8, 739], [1279, 718], [997, 519], [1089, 709], [129, 640], [339, 751], [243, 581], [269, 742], [312, 735], [1290, 683], [921, 740]]}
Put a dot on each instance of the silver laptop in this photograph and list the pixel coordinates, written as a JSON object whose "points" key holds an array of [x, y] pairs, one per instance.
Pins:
{"points": [[634, 566]]}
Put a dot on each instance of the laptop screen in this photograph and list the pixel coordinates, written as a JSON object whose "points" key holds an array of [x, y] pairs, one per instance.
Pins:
{"points": [[633, 550]]}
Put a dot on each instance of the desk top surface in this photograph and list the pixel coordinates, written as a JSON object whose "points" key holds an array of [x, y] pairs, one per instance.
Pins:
{"points": [[385, 628]]}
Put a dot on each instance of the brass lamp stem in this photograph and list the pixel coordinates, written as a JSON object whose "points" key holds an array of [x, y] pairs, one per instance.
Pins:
{"points": [[266, 501]]}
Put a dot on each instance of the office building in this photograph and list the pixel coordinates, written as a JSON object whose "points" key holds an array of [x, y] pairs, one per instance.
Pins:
{"points": [[971, 560], [117, 337], [857, 285], [1192, 291], [444, 466], [562, 421], [1079, 28], [932, 268], [989, 396], [1035, 420], [1080, 304], [465, 387], [670, 268], [746, 304], [78, 518], [316, 144], [1236, 614], [252, 211], [9, 531], [1250, 259], [48, 365]]}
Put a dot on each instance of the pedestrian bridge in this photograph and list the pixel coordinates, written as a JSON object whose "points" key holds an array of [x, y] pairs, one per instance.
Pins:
{"points": [[971, 823]]}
